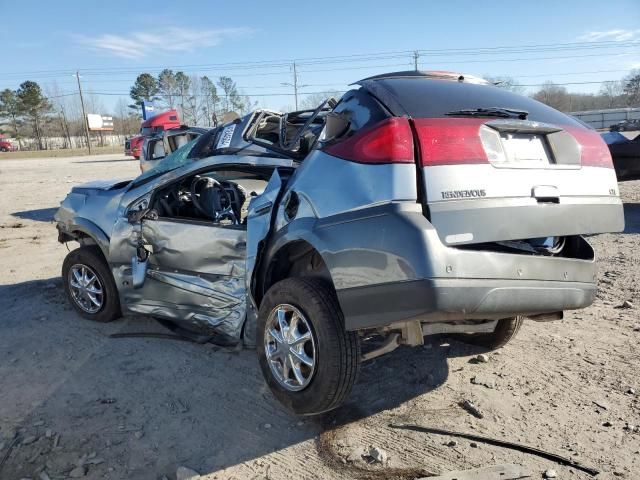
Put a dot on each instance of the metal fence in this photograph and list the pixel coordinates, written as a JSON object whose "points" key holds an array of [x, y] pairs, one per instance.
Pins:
{"points": [[603, 119], [56, 143]]}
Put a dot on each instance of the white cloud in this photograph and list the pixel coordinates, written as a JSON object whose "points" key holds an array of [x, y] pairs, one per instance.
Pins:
{"points": [[169, 40], [618, 35]]}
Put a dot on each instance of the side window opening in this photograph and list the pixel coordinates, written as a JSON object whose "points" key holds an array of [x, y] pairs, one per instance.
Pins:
{"points": [[360, 110], [218, 197]]}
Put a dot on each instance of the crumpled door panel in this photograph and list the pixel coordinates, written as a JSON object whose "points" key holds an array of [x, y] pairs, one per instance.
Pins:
{"points": [[196, 276]]}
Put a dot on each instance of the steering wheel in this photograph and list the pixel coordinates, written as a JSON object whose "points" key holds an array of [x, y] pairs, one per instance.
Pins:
{"points": [[207, 194]]}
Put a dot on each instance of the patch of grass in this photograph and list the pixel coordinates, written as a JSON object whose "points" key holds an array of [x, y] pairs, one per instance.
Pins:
{"points": [[68, 152]]}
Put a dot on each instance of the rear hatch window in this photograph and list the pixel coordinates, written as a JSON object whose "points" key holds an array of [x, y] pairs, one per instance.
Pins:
{"points": [[420, 98]]}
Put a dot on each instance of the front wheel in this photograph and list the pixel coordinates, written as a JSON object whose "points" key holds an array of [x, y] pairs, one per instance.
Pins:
{"points": [[89, 285], [4, 149], [308, 359], [505, 331]]}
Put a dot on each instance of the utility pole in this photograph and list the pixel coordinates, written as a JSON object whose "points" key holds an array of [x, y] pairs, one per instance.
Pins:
{"points": [[294, 84], [84, 114], [416, 55]]}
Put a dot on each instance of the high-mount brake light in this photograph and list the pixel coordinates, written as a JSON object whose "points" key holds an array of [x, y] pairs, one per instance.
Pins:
{"points": [[388, 141]]}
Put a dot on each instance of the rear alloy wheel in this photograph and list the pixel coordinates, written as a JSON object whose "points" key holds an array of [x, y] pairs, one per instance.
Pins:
{"points": [[290, 347], [308, 359], [90, 286], [505, 331]]}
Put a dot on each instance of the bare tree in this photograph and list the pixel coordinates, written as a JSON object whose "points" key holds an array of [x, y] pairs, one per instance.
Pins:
{"points": [[632, 88], [167, 87], [230, 97], [555, 96], [58, 101], [210, 96], [183, 85], [612, 92], [314, 99]]}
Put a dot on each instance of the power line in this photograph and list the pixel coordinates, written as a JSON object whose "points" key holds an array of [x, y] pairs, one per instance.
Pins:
{"points": [[561, 84], [291, 94], [346, 82], [498, 50]]}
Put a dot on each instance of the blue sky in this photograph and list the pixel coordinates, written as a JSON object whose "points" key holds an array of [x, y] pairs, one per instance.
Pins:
{"points": [[46, 41]]}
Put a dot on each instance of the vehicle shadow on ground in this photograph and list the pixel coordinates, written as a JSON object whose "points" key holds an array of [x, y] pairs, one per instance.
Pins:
{"points": [[39, 214], [148, 405], [632, 218]]}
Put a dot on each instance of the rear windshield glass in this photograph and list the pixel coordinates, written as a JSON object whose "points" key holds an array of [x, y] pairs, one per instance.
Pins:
{"points": [[428, 98]]}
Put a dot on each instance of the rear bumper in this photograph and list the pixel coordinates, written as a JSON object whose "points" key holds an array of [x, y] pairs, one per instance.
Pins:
{"points": [[403, 271], [441, 300]]}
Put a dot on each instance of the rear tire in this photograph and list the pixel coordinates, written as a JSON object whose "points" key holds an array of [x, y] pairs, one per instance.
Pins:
{"points": [[4, 149], [99, 307], [505, 331], [335, 352]]}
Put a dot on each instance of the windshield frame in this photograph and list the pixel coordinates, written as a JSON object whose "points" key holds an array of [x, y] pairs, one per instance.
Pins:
{"points": [[176, 159]]}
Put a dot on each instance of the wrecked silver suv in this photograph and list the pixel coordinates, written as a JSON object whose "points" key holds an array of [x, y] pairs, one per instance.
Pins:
{"points": [[417, 204]]}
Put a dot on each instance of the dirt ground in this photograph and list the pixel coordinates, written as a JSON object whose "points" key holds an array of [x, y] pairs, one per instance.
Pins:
{"points": [[75, 402]]}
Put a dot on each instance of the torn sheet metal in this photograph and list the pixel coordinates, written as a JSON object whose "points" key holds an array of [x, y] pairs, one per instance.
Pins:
{"points": [[258, 225], [195, 277]]}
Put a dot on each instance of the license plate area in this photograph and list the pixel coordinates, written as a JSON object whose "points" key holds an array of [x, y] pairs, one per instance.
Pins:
{"points": [[508, 149], [526, 149]]}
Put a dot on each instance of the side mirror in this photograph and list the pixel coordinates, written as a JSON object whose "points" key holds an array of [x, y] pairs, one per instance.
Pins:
{"points": [[135, 216]]}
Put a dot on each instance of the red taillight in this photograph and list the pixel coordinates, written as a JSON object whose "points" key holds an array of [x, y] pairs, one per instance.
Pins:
{"points": [[450, 141], [594, 152], [389, 141]]}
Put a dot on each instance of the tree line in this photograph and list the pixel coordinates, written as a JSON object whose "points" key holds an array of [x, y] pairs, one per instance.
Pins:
{"points": [[612, 94], [26, 105], [35, 117], [197, 99]]}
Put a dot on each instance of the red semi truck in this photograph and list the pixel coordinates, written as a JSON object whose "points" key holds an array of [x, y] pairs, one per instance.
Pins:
{"points": [[163, 121]]}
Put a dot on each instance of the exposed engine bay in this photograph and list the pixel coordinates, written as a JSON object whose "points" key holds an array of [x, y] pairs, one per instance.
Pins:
{"points": [[221, 197]]}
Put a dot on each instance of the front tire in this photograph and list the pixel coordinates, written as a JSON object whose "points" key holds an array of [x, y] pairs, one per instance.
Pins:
{"points": [[505, 331], [308, 359], [89, 285]]}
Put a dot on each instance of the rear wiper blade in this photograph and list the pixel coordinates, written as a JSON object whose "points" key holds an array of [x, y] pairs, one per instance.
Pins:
{"points": [[490, 112]]}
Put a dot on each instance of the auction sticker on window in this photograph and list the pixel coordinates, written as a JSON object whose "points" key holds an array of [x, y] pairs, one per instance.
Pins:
{"points": [[225, 137]]}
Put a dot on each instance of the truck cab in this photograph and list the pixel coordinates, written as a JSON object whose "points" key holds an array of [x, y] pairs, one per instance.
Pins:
{"points": [[159, 123]]}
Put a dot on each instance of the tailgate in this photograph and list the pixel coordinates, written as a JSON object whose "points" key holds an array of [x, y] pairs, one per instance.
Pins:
{"points": [[488, 180]]}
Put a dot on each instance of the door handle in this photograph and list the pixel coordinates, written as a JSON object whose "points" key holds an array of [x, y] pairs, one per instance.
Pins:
{"points": [[264, 208]]}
